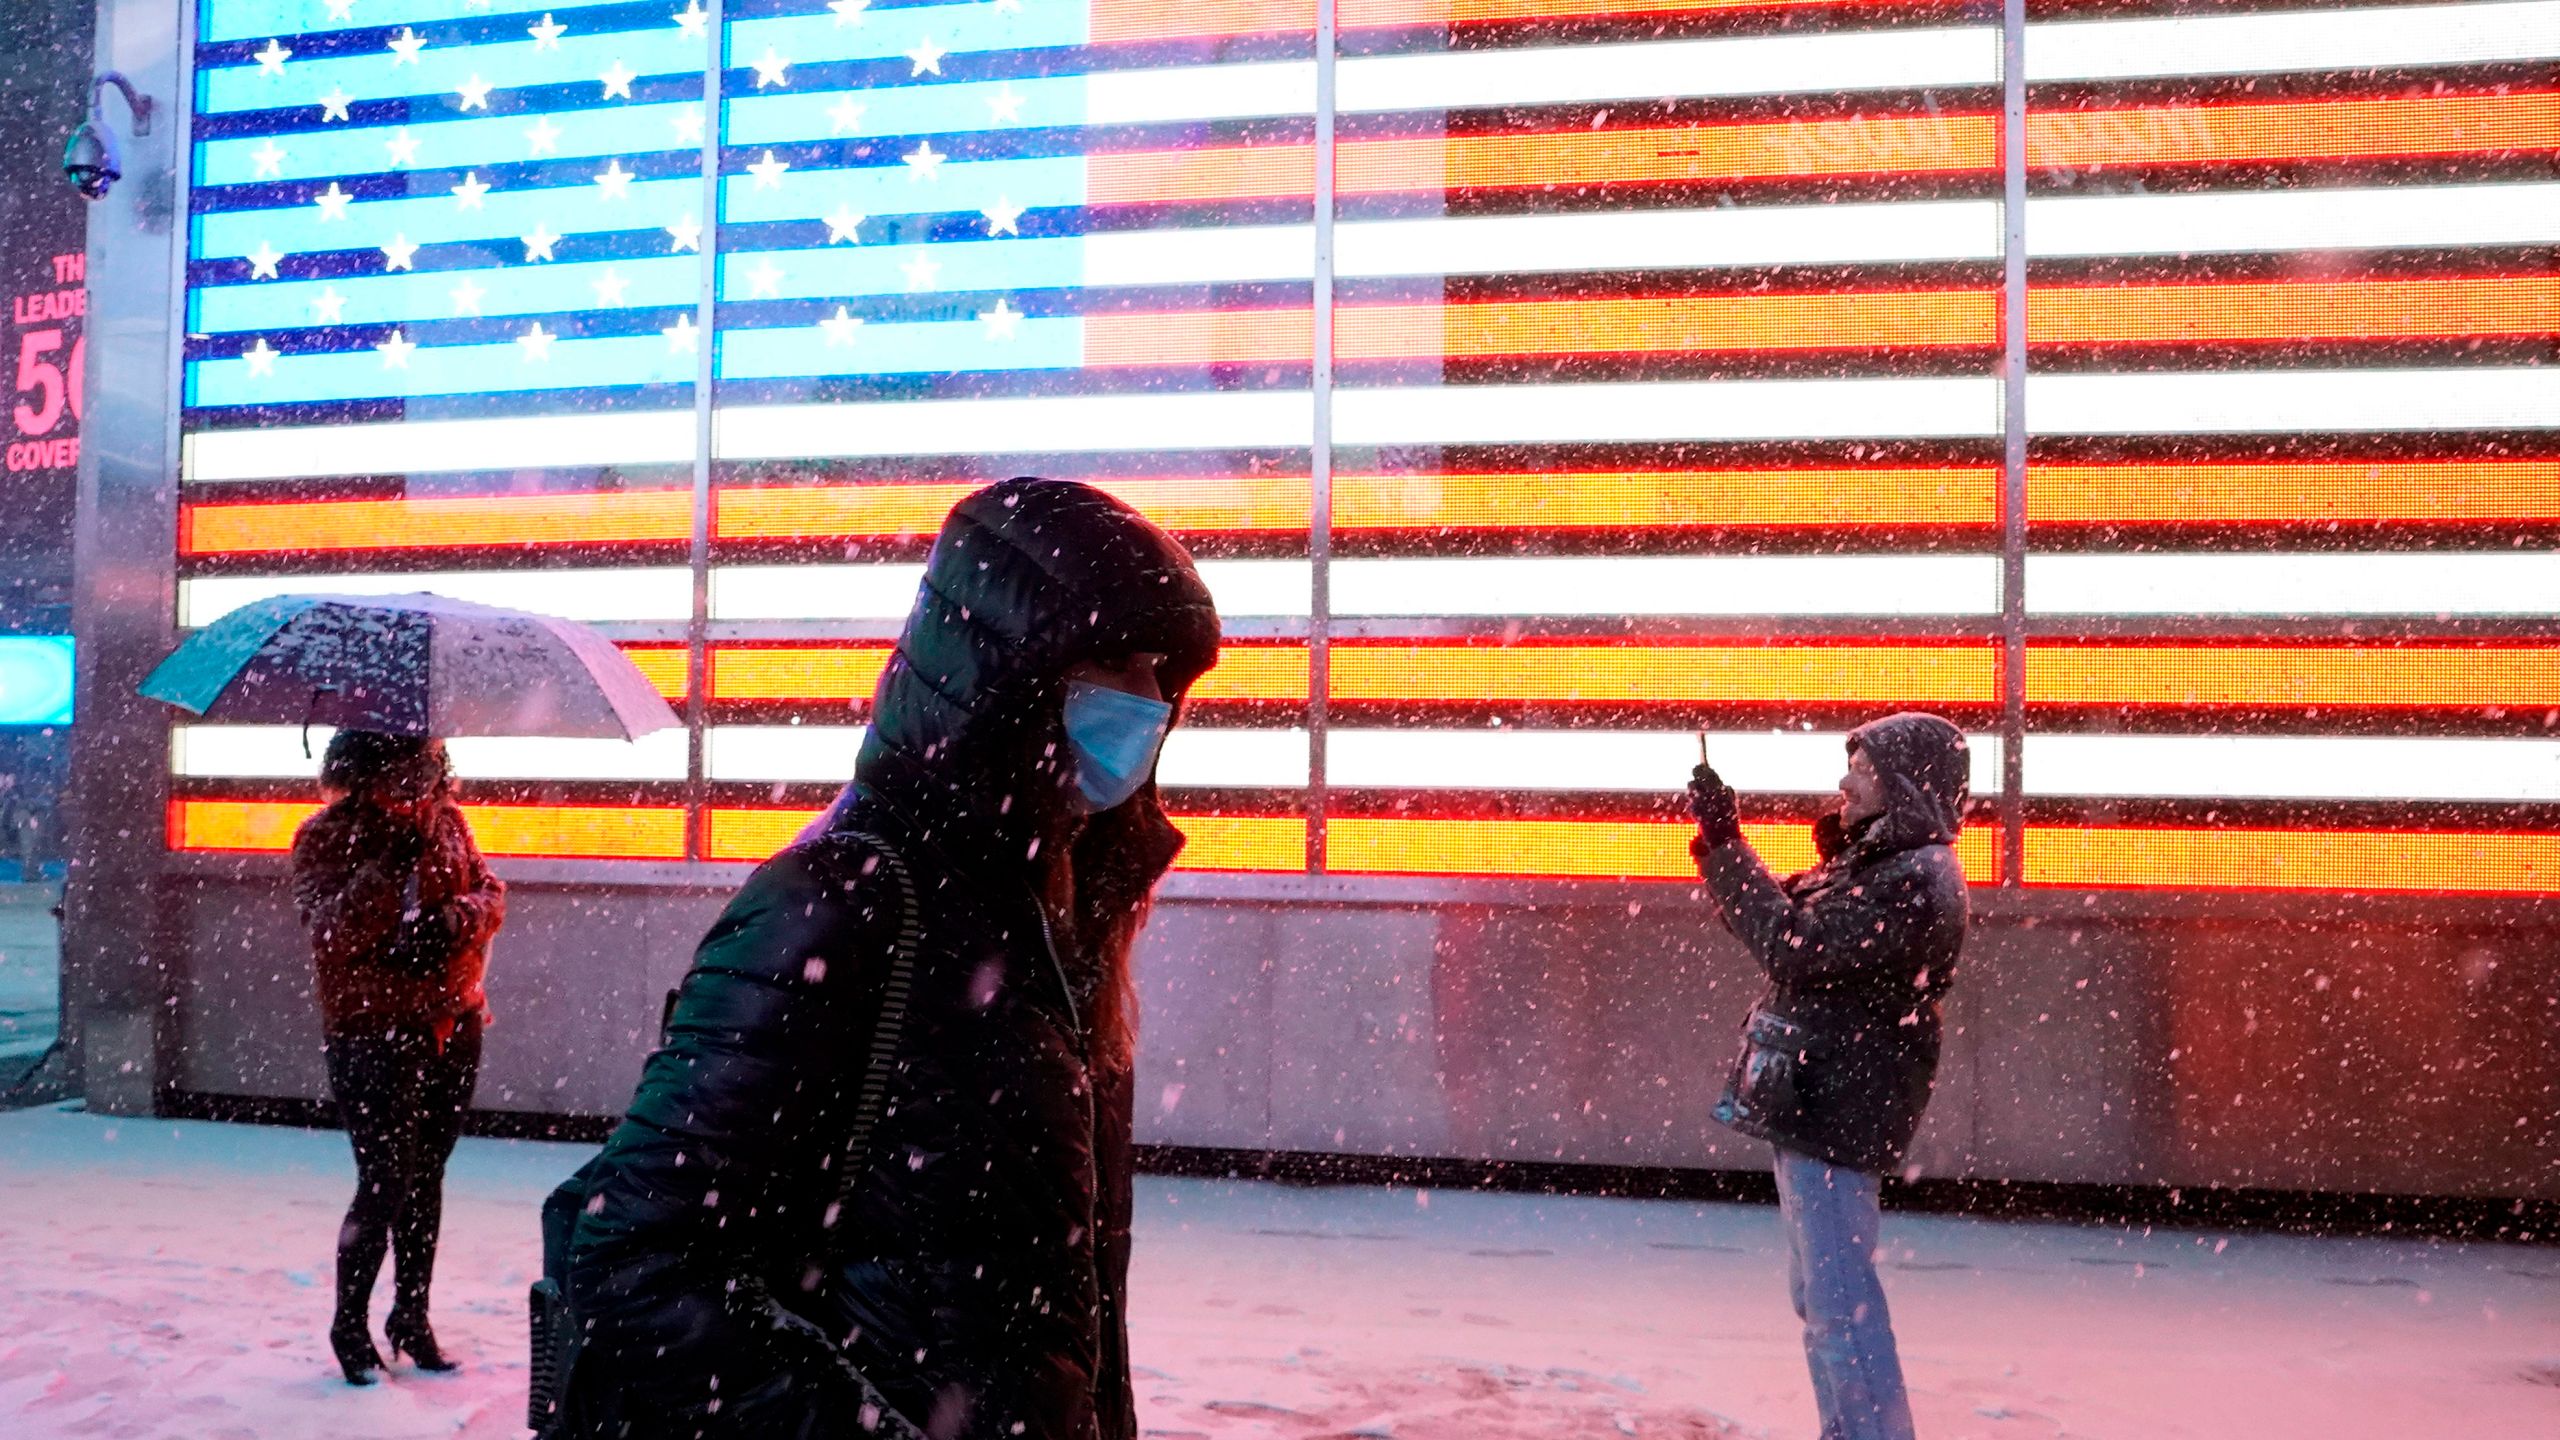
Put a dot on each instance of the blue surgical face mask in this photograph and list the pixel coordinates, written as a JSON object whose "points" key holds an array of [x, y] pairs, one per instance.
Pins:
{"points": [[1114, 735]]}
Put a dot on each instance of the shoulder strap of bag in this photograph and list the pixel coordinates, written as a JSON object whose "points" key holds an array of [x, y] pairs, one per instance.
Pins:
{"points": [[891, 1025]]}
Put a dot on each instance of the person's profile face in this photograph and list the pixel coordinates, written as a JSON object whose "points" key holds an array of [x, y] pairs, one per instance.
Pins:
{"points": [[1861, 789]]}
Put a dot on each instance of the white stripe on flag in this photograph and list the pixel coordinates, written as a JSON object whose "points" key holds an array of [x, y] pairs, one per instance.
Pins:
{"points": [[888, 592], [2305, 767], [419, 447], [2497, 582], [1698, 410], [2236, 221], [1217, 420], [1669, 585], [2345, 38], [2288, 402], [275, 752], [1597, 761], [1750, 65], [638, 594]]}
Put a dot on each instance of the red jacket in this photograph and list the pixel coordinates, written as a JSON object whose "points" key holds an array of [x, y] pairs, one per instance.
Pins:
{"points": [[352, 866]]}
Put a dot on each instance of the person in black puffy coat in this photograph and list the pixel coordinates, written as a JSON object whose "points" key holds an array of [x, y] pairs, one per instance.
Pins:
{"points": [[727, 1274], [1838, 1058]]}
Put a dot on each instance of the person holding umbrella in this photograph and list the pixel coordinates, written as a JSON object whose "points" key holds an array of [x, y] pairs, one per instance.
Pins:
{"points": [[1839, 1056], [389, 881], [400, 908], [876, 1180]]}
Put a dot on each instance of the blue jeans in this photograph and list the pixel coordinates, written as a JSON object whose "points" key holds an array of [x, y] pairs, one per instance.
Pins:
{"points": [[1831, 1217]]}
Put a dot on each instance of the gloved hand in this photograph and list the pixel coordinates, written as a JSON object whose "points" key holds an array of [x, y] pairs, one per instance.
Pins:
{"points": [[1719, 812]]}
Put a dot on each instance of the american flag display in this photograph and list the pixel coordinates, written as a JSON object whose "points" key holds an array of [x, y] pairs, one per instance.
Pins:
{"points": [[1540, 382]]}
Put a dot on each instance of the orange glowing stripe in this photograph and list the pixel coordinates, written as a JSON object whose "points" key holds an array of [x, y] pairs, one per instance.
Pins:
{"points": [[1886, 145], [2127, 314], [1958, 674], [1120, 21], [1205, 504], [1643, 325], [1217, 842], [1255, 672], [610, 832], [2373, 677], [662, 665], [852, 673], [797, 672], [2296, 130], [1576, 849], [2352, 310], [268, 527], [1643, 499], [1966, 143], [2222, 858], [2431, 490]]}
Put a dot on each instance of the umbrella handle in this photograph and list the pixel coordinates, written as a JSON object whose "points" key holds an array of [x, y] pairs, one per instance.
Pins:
{"points": [[314, 709]]}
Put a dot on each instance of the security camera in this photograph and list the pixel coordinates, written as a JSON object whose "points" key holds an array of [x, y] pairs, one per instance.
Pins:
{"points": [[89, 157], [89, 160]]}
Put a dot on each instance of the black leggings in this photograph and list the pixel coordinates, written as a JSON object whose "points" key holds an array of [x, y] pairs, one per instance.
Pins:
{"points": [[401, 1099]]}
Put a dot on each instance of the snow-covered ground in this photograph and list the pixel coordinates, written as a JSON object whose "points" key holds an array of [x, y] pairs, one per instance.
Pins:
{"points": [[171, 1279]]}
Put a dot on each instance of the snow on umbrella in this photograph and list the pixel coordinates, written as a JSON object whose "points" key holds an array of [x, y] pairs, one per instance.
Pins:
{"points": [[409, 665]]}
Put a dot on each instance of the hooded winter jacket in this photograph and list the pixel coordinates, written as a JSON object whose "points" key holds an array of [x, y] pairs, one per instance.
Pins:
{"points": [[972, 1282], [1838, 1059]]}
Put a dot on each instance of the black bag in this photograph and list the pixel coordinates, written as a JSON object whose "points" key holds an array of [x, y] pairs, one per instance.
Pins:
{"points": [[1766, 1094], [556, 1331]]}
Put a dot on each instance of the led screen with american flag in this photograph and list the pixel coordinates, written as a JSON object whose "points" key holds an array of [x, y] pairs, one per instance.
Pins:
{"points": [[1540, 381]]}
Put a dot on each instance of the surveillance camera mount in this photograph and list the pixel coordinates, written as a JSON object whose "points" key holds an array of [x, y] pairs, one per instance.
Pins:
{"points": [[134, 100]]}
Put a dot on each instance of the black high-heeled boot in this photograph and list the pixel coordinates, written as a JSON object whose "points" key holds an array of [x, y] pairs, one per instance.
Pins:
{"points": [[352, 1341], [410, 1335]]}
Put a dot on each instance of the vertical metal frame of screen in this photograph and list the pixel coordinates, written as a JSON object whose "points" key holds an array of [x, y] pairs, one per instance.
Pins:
{"points": [[2013, 420], [697, 641], [1320, 453]]}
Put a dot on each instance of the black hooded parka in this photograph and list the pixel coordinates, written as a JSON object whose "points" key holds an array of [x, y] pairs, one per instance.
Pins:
{"points": [[1858, 950], [972, 1283]]}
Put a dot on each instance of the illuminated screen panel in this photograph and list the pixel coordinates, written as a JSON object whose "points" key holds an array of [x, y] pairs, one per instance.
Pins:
{"points": [[2298, 410], [443, 266], [1665, 391]]}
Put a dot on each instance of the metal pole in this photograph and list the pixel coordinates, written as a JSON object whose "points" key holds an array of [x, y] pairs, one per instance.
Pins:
{"points": [[2013, 414], [1320, 469], [697, 660]]}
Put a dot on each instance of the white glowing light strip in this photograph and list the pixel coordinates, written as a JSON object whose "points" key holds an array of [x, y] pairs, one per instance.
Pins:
{"points": [[1211, 420], [814, 592], [274, 752], [1672, 239], [1670, 585], [639, 594], [2293, 401], [782, 752], [1234, 759], [1701, 410], [418, 447], [888, 592], [2342, 39], [1754, 65], [1199, 92], [1195, 757], [1505, 244], [2231, 221], [1594, 761], [2292, 767], [1199, 257], [2479, 583]]}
